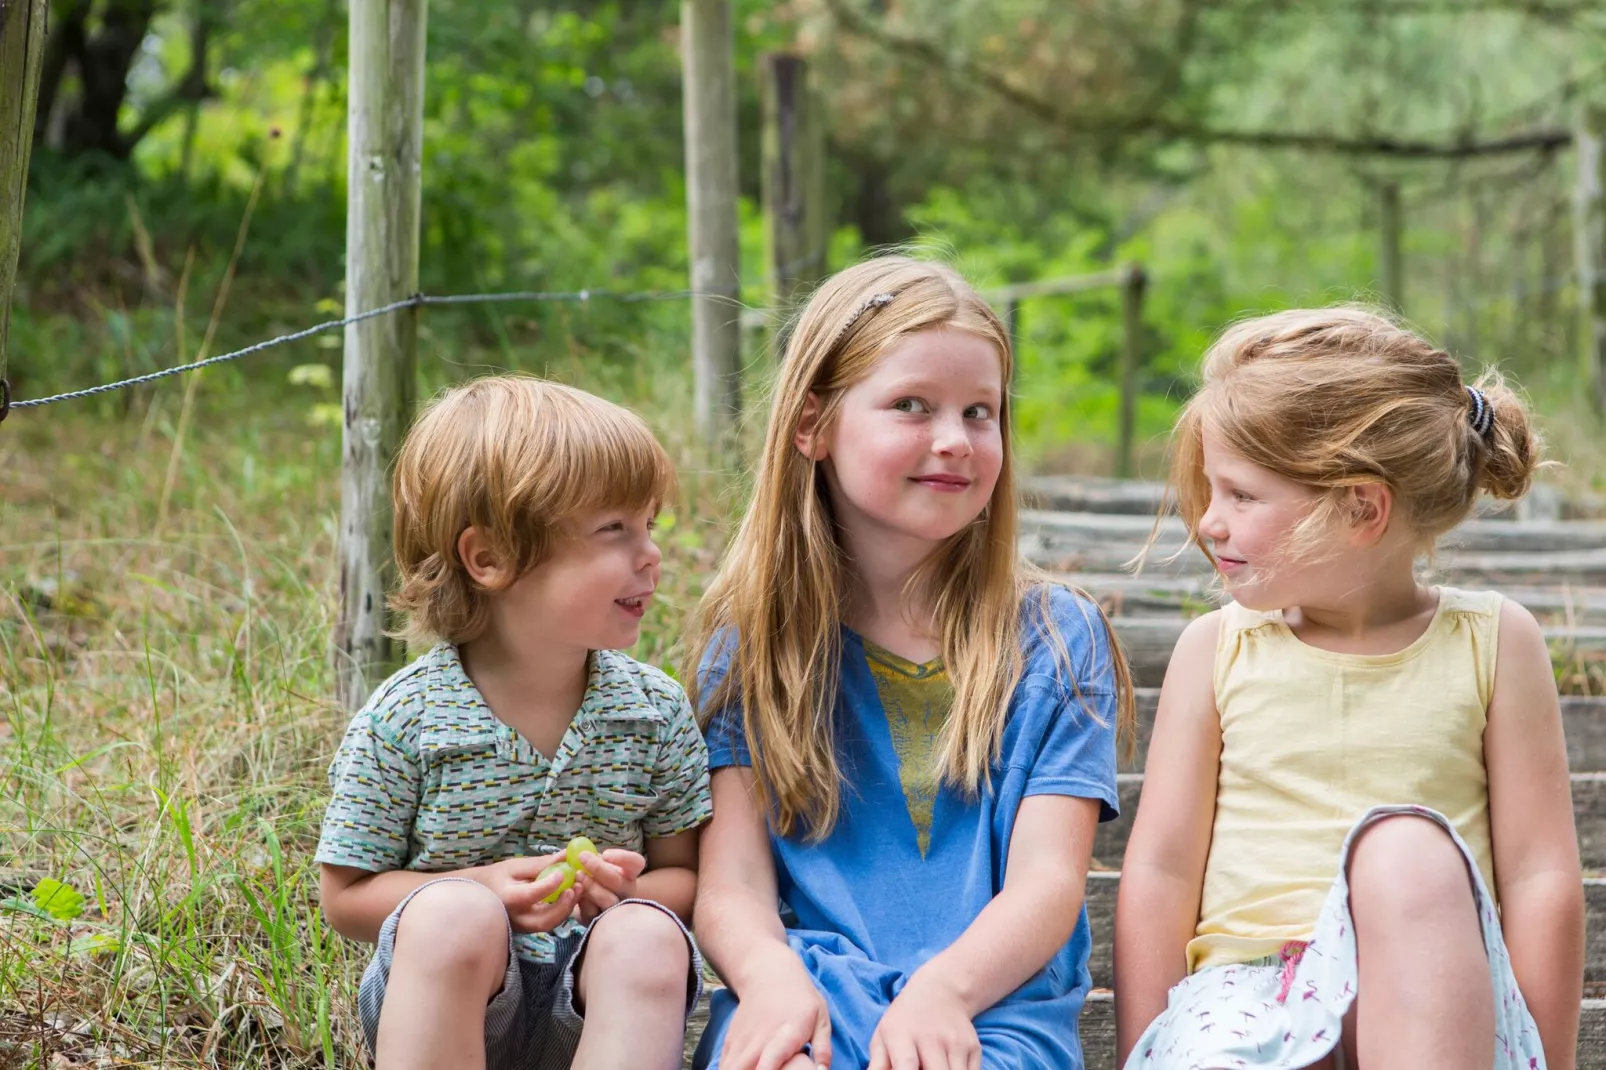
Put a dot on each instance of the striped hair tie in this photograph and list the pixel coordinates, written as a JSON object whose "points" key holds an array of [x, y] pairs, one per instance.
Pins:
{"points": [[1481, 415]]}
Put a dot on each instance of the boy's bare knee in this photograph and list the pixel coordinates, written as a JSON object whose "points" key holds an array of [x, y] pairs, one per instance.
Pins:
{"points": [[455, 929], [640, 947], [1407, 867]]}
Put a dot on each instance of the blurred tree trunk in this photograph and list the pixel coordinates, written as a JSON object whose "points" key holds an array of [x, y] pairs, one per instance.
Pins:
{"points": [[100, 39]]}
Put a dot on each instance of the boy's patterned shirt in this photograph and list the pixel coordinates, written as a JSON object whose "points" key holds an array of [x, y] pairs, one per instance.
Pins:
{"points": [[428, 779]]}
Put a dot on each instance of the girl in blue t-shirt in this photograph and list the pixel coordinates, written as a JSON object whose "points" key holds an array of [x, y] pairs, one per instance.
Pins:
{"points": [[912, 733]]}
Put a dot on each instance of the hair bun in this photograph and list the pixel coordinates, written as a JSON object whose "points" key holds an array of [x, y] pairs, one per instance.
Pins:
{"points": [[1513, 448]]}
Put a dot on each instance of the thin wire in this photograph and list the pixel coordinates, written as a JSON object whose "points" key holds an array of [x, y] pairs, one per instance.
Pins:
{"points": [[415, 301]]}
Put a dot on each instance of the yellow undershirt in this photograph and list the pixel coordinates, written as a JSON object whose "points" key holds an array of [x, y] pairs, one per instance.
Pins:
{"points": [[916, 699]]}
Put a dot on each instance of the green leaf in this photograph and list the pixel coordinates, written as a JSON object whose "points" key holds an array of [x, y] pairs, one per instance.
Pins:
{"points": [[326, 415], [61, 901], [318, 375], [329, 307], [93, 944]]}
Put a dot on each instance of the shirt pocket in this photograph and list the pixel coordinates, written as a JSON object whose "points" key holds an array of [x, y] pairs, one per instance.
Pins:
{"points": [[615, 817], [471, 797]]}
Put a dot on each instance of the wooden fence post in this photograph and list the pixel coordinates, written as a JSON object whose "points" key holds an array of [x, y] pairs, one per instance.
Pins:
{"points": [[1391, 263], [1132, 288], [22, 46], [708, 46], [1589, 229], [795, 233], [385, 124]]}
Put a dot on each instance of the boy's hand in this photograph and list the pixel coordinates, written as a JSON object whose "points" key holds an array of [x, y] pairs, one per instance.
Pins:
{"points": [[520, 886], [928, 1027], [609, 878]]}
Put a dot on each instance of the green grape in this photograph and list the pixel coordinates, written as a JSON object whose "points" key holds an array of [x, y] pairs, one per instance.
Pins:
{"points": [[576, 846], [568, 879]]}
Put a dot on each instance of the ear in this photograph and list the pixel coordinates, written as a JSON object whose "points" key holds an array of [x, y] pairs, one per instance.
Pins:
{"points": [[807, 439], [1371, 506], [478, 560]]}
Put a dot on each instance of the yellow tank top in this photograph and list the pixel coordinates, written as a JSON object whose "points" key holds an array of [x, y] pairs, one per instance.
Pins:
{"points": [[1311, 739]]}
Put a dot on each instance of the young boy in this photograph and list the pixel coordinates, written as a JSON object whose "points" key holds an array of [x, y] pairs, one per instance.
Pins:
{"points": [[524, 514]]}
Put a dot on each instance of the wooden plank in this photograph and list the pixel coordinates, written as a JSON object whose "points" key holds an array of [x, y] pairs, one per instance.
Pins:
{"points": [[22, 45], [1080, 533], [385, 133], [708, 51], [1583, 720], [1459, 568], [1589, 229], [1122, 594], [1589, 815], [1132, 287], [1101, 494], [1102, 887], [795, 228], [1148, 642]]}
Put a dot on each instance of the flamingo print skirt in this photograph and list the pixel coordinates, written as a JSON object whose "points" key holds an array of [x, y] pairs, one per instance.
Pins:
{"points": [[1286, 1012]]}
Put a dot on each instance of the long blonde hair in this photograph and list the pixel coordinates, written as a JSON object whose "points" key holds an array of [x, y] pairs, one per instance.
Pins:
{"points": [[773, 612], [1332, 398]]}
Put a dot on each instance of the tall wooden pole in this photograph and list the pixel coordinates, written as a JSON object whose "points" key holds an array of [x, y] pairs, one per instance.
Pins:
{"points": [[795, 230], [1391, 262], [385, 123], [22, 46], [708, 46], [1131, 361], [1589, 229]]}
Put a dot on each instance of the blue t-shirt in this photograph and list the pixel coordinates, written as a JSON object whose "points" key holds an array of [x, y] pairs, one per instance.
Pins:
{"points": [[866, 910]]}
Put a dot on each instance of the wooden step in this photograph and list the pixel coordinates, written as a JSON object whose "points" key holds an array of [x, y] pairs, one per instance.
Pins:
{"points": [[1589, 815], [1097, 1029], [1098, 1033], [1148, 642], [1480, 551], [1583, 721], [1125, 595], [1084, 533], [1133, 497], [1102, 886]]}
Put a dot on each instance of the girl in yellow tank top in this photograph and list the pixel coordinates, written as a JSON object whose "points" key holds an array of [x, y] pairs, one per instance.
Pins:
{"points": [[1355, 845]]}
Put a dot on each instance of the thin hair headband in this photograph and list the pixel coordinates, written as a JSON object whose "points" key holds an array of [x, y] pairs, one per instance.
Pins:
{"points": [[880, 300], [1481, 415]]}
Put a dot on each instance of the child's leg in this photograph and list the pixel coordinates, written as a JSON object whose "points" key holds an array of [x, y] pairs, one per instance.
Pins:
{"points": [[632, 986], [450, 957], [1425, 999]]}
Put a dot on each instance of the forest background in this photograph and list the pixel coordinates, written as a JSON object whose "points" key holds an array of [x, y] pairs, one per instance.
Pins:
{"points": [[167, 554]]}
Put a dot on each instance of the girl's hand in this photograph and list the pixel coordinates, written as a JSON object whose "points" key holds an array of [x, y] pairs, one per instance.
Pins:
{"points": [[926, 1028], [608, 878], [775, 1020]]}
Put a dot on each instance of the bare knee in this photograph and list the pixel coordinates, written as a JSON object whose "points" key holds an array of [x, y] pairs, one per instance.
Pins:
{"points": [[456, 932], [1407, 869], [640, 949]]}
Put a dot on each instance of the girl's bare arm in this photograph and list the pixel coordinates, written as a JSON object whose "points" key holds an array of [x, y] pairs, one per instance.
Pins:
{"points": [[739, 928], [1163, 872], [1537, 873]]}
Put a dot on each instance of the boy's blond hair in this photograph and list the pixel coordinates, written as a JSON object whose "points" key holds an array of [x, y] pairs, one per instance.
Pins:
{"points": [[515, 457], [1332, 398]]}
